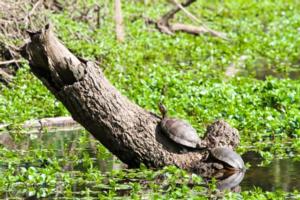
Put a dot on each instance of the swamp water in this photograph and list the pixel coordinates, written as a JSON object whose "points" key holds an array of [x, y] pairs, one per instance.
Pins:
{"points": [[75, 154]]}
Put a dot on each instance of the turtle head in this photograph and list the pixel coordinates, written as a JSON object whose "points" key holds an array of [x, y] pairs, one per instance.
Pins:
{"points": [[162, 109]]}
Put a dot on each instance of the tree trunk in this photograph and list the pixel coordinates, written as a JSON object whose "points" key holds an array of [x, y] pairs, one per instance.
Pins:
{"points": [[128, 131]]}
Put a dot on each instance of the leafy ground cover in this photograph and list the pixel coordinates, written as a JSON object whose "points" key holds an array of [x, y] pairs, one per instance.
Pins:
{"points": [[262, 101]]}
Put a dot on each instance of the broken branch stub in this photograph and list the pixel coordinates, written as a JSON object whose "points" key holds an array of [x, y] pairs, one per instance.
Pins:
{"points": [[164, 25], [128, 131]]}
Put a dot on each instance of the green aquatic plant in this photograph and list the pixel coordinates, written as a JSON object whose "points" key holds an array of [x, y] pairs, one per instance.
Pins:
{"points": [[262, 100]]}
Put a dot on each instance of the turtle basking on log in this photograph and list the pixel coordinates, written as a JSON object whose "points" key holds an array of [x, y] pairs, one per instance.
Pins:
{"points": [[179, 130], [131, 133], [185, 135], [228, 157]]}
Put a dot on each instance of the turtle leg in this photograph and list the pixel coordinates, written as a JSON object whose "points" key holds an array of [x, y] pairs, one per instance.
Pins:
{"points": [[183, 150], [217, 166]]}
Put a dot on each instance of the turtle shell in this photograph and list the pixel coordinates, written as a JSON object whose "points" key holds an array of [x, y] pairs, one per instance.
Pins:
{"points": [[180, 132], [228, 156]]}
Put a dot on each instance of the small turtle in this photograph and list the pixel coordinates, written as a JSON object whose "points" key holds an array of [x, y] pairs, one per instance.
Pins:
{"points": [[228, 157], [178, 130], [184, 134]]}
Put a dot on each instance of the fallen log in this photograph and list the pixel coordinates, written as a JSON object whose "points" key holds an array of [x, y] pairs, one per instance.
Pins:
{"points": [[128, 131], [51, 122]]}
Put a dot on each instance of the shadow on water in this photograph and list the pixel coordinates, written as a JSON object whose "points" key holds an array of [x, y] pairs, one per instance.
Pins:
{"points": [[72, 148]]}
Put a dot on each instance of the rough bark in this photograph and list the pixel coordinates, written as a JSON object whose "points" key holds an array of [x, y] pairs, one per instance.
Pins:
{"points": [[128, 131]]}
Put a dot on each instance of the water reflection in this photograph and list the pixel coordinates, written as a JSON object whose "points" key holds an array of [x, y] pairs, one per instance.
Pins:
{"points": [[279, 175], [231, 182], [262, 73], [261, 70], [72, 145], [77, 152]]}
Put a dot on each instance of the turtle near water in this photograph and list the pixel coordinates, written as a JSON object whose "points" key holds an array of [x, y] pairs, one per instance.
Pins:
{"points": [[228, 157], [185, 135]]}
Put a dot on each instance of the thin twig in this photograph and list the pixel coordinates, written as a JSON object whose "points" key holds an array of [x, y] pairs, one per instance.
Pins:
{"points": [[190, 15], [203, 26], [5, 77], [27, 18], [164, 26], [9, 62], [34, 7], [98, 12], [6, 21], [165, 18], [163, 23]]}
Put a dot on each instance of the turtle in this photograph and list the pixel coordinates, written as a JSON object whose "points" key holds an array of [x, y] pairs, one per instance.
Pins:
{"points": [[179, 130], [185, 135], [228, 157]]}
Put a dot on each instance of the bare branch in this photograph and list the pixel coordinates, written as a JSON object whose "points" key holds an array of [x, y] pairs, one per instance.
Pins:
{"points": [[5, 77], [9, 62], [27, 18], [52, 122], [165, 18], [164, 26], [190, 15], [119, 21]]}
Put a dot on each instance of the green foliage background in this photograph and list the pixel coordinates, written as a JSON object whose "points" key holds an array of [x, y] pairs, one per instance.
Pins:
{"points": [[265, 109]]}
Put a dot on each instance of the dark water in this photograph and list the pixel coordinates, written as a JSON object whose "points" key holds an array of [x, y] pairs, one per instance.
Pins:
{"points": [[279, 175], [261, 70], [263, 73]]}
